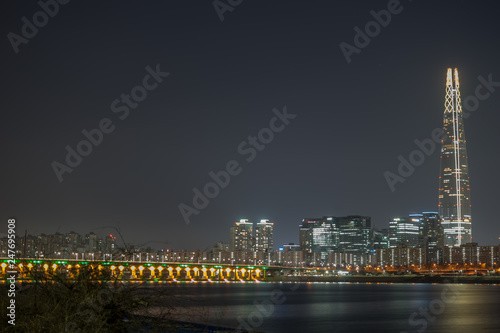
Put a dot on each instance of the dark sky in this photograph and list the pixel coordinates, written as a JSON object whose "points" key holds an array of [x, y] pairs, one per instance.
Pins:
{"points": [[353, 120]]}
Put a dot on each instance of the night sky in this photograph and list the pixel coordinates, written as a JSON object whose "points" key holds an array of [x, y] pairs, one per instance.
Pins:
{"points": [[225, 78]]}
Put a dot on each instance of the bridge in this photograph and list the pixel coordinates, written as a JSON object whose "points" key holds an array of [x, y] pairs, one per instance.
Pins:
{"points": [[26, 269]]}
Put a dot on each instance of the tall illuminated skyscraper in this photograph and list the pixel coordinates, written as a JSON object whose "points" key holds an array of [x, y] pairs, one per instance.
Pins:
{"points": [[454, 187]]}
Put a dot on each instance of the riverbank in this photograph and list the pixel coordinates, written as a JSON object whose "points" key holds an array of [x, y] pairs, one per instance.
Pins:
{"points": [[462, 279], [487, 279]]}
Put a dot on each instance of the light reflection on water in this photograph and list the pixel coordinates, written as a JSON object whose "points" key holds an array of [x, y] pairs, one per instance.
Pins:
{"points": [[342, 307]]}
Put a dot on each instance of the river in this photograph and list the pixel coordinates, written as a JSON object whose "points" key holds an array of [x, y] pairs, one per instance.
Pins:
{"points": [[341, 307]]}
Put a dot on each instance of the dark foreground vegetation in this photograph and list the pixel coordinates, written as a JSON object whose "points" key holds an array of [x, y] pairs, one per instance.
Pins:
{"points": [[93, 301]]}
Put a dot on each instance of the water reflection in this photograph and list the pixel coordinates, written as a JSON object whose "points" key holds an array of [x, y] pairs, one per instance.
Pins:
{"points": [[267, 307]]}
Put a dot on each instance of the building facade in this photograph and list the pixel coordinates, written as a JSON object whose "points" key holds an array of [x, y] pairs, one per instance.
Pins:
{"points": [[241, 236], [404, 231], [401, 256], [350, 234], [355, 234], [319, 235], [473, 254], [380, 238], [432, 236], [264, 236], [454, 188]]}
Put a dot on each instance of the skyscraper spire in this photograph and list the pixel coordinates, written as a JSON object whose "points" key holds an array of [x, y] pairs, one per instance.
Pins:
{"points": [[454, 187]]}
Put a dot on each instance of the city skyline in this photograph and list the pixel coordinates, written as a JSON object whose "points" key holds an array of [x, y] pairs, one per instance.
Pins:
{"points": [[251, 166], [350, 234], [335, 242], [353, 120]]}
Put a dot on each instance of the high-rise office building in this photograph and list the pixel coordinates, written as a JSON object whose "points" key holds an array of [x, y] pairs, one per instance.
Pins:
{"points": [[454, 188], [423, 230], [264, 236], [319, 235], [241, 236], [305, 241], [336, 234], [404, 231], [432, 236], [380, 238], [355, 234]]}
